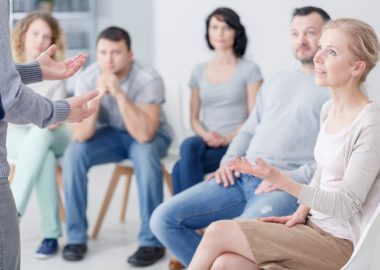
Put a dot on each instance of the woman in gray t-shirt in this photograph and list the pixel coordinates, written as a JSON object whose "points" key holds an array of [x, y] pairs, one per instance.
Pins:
{"points": [[223, 94]]}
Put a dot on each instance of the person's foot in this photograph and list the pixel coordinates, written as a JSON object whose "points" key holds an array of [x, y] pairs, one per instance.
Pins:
{"points": [[74, 252], [175, 264], [48, 248], [145, 256]]}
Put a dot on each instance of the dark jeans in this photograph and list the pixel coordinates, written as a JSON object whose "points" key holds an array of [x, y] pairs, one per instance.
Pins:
{"points": [[196, 160]]}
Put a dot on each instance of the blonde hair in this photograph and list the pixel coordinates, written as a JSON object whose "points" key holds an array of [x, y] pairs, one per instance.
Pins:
{"points": [[364, 44], [21, 27]]}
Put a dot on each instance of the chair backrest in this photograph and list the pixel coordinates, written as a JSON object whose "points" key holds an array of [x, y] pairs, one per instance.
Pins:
{"points": [[363, 255], [176, 111]]}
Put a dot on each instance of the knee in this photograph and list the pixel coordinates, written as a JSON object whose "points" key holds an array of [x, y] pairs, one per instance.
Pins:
{"points": [[41, 132], [145, 153], [222, 263], [143, 150], [191, 145], [217, 228], [51, 157], [74, 155], [160, 220]]}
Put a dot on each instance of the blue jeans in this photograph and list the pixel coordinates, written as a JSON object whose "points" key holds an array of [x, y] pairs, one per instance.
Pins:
{"points": [[110, 145], [196, 160], [175, 221]]}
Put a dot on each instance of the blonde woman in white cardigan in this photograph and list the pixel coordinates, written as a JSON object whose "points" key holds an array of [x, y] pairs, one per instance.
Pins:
{"points": [[34, 149], [337, 204]]}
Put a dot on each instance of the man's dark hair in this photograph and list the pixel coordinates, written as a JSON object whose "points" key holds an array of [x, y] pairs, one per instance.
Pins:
{"points": [[304, 11], [231, 18], [114, 33]]}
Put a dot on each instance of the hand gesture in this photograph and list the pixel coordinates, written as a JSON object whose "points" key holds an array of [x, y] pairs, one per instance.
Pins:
{"points": [[261, 170], [79, 109], [242, 165], [53, 70]]}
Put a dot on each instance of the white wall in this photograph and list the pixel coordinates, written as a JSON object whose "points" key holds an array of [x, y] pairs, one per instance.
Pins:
{"points": [[136, 16], [179, 28]]}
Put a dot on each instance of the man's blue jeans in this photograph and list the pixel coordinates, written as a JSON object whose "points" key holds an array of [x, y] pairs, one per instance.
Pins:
{"points": [[196, 160], [175, 221], [110, 145]]}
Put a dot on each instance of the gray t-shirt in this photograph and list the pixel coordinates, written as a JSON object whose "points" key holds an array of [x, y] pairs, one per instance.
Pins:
{"points": [[224, 105], [283, 127], [143, 85]]}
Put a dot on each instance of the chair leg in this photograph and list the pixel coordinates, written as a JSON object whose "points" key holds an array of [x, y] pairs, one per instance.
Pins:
{"points": [[62, 212], [167, 179], [124, 202], [106, 201]]}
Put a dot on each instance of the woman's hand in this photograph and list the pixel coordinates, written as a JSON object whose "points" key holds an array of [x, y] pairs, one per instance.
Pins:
{"points": [[288, 221], [241, 164], [53, 70], [299, 217], [214, 139], [261, 170]]}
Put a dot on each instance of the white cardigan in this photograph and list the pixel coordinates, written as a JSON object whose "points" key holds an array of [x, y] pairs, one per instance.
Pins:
{"points": [[359, 195]]}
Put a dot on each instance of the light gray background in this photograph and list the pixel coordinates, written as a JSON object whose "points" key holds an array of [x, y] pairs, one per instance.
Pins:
{"points": [[169, 34]]}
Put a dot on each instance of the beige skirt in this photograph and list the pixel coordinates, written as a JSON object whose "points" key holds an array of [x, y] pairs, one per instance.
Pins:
{"points": [[302, 247]]}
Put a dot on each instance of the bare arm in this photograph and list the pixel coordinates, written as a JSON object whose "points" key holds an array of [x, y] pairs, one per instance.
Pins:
{"points": [[141, 120], [252, 91], [86, 129], [195, 104]]}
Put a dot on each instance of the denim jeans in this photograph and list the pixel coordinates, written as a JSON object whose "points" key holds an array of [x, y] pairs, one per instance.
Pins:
{"points": [[9, 229], [175, 221], [196, 160], [110, 145]]}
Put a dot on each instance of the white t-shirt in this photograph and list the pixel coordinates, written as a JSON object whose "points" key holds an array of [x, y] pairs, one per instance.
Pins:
{"points": [[329, 154]]}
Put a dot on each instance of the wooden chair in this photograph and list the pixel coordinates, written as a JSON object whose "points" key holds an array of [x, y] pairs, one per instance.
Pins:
{"points": [[122, 169], [174, 112], [62, 212]]}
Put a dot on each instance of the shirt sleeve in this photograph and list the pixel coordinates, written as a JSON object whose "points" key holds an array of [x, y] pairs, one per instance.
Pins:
{"points": [[304, 173], [195, 77], [152, 92], [254, 74], [29, 73], [18, 103]]}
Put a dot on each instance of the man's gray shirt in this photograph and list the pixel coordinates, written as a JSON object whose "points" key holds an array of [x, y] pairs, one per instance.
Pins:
{"points": [[143, 85], [283, 127]]}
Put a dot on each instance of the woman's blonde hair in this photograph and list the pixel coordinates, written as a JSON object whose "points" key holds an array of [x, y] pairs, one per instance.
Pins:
{"points": [[19, 31], [364, 43]]}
